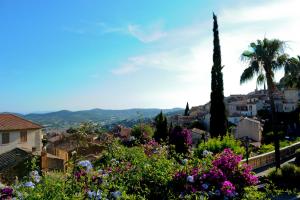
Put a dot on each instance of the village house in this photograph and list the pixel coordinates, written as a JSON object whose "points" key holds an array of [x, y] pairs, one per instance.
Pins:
{"points": [[250, 128], [20, 139], [16, 132]]}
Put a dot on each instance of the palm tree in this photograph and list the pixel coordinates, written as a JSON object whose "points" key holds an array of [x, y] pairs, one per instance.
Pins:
{"points": [[291, 77], [263, 58]]}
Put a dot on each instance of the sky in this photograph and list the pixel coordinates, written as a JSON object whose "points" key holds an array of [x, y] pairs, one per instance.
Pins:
{"points": [[79, 54]]}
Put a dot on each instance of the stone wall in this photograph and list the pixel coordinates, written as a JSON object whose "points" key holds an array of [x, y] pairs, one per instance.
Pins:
{"points": [[269, 158]]}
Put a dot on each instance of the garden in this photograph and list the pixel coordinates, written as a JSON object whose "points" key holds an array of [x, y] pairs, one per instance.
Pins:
{"points": [[149, 169]]}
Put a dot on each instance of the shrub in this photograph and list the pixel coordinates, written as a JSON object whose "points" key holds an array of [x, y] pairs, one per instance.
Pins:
{"points": [[225, 179], [287, 177], [297, 160], [181, 138], [265, 148], [217, 145], [143, 133]]}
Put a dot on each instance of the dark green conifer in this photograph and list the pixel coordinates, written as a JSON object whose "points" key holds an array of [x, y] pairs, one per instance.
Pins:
{"points": [[187, 109], [161, 124], [217, 108]]}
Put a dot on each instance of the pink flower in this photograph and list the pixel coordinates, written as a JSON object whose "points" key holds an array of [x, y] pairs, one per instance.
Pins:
{"points": [[228, 189]]}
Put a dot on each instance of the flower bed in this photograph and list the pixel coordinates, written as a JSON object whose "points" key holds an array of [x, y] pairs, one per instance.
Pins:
{"points": [[142, 172]]}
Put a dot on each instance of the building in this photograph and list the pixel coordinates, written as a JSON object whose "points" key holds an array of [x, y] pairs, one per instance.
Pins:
{"points": [[16, 132], [250, 128]]}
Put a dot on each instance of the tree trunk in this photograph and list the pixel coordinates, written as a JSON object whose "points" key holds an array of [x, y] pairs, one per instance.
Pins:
{"points": [[274, 122]]}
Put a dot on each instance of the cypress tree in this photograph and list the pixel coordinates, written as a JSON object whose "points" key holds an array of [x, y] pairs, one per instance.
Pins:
{"points": [[161, 124], [187, 109], [217, 108]]}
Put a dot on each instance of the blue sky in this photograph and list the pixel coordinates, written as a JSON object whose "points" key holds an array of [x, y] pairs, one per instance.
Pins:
{"points": [[123, 54]]}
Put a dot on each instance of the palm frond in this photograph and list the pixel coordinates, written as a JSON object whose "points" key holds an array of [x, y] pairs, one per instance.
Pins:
{"points": [[261, 79], [247, 75]]}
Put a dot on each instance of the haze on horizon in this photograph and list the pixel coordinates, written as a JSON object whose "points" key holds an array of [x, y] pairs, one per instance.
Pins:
{"points": [[79, 55]]}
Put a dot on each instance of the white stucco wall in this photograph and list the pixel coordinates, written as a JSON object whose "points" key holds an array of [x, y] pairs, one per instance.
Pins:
{"points": [[250, 128], [34, 139]]}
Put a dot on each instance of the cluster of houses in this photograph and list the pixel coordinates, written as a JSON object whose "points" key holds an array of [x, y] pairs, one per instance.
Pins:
{"points": [[242, 111], [21, 140]]}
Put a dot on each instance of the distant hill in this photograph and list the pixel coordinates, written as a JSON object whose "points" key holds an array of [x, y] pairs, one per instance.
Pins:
{"points": [[66, 118]]}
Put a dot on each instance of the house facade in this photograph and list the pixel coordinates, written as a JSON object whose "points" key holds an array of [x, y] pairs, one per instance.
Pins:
{"points": [[16, 132], [250, 128]]}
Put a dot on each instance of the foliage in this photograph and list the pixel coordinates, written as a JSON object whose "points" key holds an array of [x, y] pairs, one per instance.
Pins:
{"points": [[217, 145], [161, 132], [142, 133], [291, 77], [182, 139], [265, 148], [217, 108], [264, 57], [141, 172], [225, 178], [286, 177], [297, 160]]}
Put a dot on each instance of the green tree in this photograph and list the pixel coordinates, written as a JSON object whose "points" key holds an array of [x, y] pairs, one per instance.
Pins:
{"points": [[217, 108], [263, 58], [291, 77], [187, 110], [161, 124], [142, 132]]}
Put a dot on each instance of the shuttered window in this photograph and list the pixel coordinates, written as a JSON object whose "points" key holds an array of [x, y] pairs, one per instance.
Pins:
{"points": [[23, 136], [5, 138]]}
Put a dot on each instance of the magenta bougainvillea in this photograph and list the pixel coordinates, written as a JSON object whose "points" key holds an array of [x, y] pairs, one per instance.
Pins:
{"points": [[182, 139], [227, 177]]}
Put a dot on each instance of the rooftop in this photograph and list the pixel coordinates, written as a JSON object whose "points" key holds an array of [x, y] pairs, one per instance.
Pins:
{"points": [[12, 158], [10, 122]]}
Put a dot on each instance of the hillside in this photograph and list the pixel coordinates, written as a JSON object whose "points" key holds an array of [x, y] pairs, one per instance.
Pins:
{"points": [[65, 118]]}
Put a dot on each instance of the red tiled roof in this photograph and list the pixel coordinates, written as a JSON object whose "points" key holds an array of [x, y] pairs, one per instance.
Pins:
{"points": [[10, 122]]}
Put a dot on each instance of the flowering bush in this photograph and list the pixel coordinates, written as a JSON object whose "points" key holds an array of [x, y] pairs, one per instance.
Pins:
{"points": [[140, 173], [182, 139], [226, 178]]}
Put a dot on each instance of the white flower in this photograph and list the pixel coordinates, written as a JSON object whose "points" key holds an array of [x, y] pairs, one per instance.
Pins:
{"points": [[34, 173], [184, 161], [190, 179], [116, 194], [95, 195], [29, 184], [1, 185], [206, 153], [37, 179]]}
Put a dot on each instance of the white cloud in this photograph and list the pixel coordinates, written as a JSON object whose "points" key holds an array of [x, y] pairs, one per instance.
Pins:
{"points": [[148, 34], [265, 11], [187, 52]]}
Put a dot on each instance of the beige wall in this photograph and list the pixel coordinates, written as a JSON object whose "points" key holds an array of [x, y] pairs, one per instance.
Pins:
{"points": [[34, 139], [291, 95], [250, 128]]}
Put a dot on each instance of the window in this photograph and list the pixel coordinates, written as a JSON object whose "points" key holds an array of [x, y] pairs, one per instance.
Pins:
{"points": [[23, 135], [5, 138]]}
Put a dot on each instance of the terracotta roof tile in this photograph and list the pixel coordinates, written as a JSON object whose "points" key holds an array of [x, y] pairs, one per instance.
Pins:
{"points": [[10, 122]]}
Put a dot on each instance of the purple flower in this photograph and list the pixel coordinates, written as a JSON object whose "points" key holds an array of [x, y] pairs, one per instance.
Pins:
{"points": [[204, 186], [6, 192], [228, 189]]}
